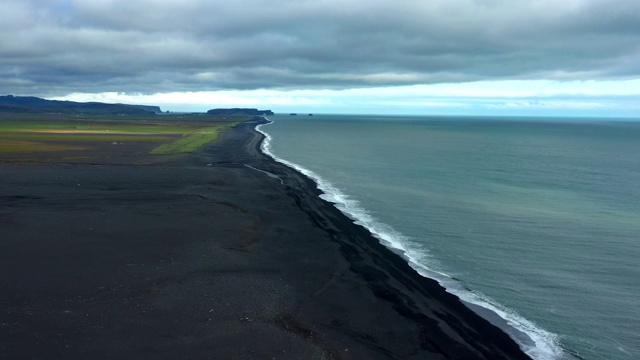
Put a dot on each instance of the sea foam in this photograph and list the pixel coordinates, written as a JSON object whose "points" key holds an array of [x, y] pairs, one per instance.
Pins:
{"points": [[533, 340]]}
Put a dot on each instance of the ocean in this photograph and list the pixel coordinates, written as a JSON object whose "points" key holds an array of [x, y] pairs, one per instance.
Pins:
{"points": [[536, 219]]}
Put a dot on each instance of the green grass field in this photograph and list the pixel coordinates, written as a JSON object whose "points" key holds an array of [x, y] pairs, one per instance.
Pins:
{"points": [[171, 134], [191, 141]]}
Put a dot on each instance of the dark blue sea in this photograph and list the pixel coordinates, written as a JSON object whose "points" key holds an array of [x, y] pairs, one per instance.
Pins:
{"points": [[537, 220]]}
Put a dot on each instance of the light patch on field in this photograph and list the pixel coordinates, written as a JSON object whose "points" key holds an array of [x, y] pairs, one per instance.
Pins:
{"points": [[190, 142]]}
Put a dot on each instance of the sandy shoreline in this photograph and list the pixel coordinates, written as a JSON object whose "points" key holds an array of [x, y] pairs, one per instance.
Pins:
{"points": [[210, 257]]}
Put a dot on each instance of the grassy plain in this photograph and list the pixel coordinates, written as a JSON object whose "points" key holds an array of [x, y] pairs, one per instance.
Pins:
{"points": [[34, 138], [191, 141]]}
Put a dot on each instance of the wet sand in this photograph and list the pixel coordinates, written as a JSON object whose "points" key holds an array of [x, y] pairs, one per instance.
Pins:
{"points": [[222, 254]]}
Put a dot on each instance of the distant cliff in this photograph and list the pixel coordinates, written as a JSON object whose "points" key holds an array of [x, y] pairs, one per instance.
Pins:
{"points": [[149, 108], [239, 111], [30, 104]]}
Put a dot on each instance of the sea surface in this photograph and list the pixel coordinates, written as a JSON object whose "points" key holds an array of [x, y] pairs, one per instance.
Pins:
{"points": [[535, 219]]}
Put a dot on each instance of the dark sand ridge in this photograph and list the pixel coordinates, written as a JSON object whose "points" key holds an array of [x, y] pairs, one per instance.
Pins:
{"points": [[210, 258]]}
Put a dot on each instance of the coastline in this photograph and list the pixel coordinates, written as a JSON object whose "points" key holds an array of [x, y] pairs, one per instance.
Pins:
{"points": [[227, 253], [486, 314], [533, 340]]}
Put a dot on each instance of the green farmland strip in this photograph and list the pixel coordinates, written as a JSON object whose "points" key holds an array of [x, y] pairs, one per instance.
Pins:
{"points": [[192, 141]]}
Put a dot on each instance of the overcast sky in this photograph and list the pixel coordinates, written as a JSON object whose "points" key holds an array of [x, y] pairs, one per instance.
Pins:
{"points": [[538, 57]]}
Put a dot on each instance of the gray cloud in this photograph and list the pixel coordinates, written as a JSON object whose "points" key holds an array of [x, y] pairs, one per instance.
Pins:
{"points": [[60, 46]]}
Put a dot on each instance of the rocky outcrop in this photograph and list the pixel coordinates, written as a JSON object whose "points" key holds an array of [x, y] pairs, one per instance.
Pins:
{"points": [[239, 111]]}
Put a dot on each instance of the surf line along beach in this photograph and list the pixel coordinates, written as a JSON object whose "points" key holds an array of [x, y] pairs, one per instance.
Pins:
{"points": [[224, 254]]}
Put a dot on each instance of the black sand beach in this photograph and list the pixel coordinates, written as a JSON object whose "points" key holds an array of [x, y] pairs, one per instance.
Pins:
{"points": [[210, 257]]}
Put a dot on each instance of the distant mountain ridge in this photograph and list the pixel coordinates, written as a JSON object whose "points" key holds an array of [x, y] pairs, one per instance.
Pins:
{"points": [[239, 111], [31, 104]]}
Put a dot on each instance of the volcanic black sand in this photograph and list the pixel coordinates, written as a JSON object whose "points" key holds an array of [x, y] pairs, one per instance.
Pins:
{"points": [[207, 257]]}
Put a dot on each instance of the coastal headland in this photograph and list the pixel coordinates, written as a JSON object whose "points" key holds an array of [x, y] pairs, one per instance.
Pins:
{"points": [[220, 253]]}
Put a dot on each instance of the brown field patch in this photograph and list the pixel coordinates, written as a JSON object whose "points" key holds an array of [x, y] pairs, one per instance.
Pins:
{"points": [[99, 132], [22, 146]]}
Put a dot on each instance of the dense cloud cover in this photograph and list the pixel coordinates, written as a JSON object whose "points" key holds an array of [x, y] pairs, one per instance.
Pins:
{"points": [[61, 46]]}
